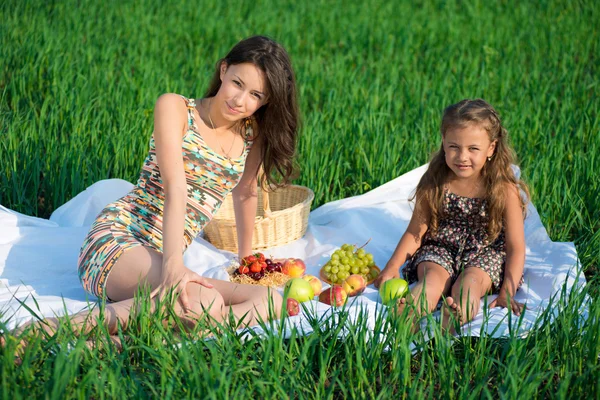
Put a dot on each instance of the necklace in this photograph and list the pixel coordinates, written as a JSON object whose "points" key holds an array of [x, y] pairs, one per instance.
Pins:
{"points": [[226, 153]]}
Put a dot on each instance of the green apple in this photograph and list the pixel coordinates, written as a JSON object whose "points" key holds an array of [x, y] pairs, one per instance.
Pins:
{"points": [[393, 289], [299, 289]]}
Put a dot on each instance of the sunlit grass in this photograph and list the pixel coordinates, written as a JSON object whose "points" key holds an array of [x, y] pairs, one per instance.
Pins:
{"points": [[340, 358]]}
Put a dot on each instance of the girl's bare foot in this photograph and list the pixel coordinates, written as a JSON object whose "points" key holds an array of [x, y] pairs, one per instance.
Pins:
{"points": [[451, 315], [411, 317], [401, 305]]}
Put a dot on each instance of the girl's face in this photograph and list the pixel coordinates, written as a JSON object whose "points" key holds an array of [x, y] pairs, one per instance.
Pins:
{"points": [[242, 91], [467, 149]]}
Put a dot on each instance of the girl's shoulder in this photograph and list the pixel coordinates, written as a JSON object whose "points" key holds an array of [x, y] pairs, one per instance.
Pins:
{"points": [[511, 191]]}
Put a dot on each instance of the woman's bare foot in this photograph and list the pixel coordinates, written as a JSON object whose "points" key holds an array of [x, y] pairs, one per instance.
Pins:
{"points": [[94, 344], [451, 315], [17, 342]]}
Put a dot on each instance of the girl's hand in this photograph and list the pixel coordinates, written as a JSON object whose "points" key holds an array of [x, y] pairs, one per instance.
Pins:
{"points": [[386, 275], [176, 278], [502, 301]]}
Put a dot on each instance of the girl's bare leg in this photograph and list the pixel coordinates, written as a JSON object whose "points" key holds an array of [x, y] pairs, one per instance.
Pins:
{"points": [[433, 281], [463, 303]]}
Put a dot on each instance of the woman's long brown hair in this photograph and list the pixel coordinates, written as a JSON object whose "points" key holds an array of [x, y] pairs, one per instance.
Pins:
{"points": [[278, 120], [497, 173]]}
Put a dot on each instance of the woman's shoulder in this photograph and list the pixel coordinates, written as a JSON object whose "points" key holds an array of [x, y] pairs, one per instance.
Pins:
{"points": [[168, 100], [170, 113], [171, 105]]}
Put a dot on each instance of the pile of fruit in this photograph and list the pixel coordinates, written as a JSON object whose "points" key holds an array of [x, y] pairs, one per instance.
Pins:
{"points": [[257, 265], [349, 260], [256, 269]]}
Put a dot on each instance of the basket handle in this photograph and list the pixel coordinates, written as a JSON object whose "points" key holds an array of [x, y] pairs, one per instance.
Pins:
{"points": [[265, 194]]}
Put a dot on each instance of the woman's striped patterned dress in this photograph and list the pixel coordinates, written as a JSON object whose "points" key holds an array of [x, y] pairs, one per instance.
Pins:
{"points": [[136, 218]]}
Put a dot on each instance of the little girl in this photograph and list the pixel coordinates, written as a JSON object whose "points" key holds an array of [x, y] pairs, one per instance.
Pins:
{"points": [[466, 236]]}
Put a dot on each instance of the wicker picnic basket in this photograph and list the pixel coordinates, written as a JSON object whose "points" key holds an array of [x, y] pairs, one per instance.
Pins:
{"points": [[281, 217]]}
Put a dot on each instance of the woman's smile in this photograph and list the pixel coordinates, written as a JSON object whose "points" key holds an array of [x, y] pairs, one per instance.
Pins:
{"points": [[231, 109]]}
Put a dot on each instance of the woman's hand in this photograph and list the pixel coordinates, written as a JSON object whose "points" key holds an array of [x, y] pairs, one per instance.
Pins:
{"points": [[385, 275], [177, 277], [502, 301]]}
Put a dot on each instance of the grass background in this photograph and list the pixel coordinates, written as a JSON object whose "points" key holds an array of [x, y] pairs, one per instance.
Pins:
{"points": [[78, 82]]}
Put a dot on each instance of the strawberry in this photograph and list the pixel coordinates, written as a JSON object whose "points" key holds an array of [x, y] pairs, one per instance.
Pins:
{"points": [[260, 257], [255, 267], [263, 265], [243, 269]]}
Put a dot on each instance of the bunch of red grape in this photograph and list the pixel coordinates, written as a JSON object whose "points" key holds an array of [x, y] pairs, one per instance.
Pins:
{"points": [[256, 266]]}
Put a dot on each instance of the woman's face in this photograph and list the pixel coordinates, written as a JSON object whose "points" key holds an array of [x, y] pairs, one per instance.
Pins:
{"points": [[242, 91]]}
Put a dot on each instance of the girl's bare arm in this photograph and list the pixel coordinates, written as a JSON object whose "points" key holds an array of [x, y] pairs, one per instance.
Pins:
{"points": [[408, 244], [515, 251]]}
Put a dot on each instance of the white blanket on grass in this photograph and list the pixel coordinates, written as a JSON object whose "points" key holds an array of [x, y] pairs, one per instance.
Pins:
{"points": [[38, 257]]}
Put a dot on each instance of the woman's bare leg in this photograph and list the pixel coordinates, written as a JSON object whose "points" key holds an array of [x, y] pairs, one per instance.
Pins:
{"points": [[251, 303], [137, 266], [141, 265]]}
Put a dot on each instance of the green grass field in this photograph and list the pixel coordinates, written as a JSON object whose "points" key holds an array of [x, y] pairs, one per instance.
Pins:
{"points": [[78, 82]]}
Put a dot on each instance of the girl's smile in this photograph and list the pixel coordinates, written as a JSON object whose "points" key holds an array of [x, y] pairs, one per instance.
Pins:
{"points": [[467, 150]]}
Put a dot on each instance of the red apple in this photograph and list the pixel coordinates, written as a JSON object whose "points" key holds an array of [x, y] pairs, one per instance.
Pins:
{"points": [[315, 283], [292, 307], [354, 285], [294, 267], [334, 296]]}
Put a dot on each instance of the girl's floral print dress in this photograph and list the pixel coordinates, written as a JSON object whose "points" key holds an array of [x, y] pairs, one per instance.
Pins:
{"points": [[461, 242]]}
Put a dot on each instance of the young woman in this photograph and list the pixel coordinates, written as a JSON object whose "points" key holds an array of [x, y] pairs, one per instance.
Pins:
{"points": [[200, 151]]}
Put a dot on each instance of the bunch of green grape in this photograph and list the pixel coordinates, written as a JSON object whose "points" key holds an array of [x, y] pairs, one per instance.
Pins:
{"points": [[349, 260]]}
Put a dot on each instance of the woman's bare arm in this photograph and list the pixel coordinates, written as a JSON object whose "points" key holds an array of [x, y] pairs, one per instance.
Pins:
{"points": [[170, 120], [245, 199]]}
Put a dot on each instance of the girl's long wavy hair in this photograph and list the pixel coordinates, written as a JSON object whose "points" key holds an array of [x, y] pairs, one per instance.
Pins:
{"points": [[496, 173], [278, 120]]}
